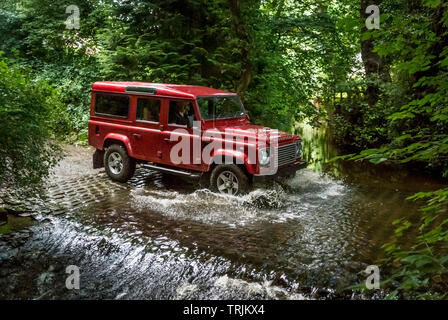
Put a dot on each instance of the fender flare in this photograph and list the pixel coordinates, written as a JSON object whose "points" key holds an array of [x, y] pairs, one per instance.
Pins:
{"points": [[251, 168], [120, 137]]}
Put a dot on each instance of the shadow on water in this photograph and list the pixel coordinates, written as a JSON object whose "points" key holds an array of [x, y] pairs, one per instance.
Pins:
{"points": [[158, 237]]}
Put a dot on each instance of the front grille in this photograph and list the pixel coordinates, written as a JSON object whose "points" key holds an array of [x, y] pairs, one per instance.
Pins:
{"points": [[286, 154]]}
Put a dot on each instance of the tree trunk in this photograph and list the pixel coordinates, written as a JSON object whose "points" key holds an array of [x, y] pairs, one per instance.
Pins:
{"points": [[243, 36], [436, 50], [375, 67]]}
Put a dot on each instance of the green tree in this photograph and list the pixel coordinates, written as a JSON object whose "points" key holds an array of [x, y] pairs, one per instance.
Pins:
{"points": [[30, 117], [413, 108], [38, 39]]}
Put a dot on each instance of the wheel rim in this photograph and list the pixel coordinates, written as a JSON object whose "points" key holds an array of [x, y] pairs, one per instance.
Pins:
{"points": [[227, 183], [115, 163]]}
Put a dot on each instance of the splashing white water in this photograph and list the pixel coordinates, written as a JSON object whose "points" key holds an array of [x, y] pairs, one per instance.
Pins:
{"points": [[298, 195], [245, 288]]}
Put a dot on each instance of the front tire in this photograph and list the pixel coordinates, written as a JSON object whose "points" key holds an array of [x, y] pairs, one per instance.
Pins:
{"points": [[118, 164], [229, 179]]}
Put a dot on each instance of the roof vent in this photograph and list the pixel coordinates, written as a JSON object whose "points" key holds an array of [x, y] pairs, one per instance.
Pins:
{"points": [[147, 90]]}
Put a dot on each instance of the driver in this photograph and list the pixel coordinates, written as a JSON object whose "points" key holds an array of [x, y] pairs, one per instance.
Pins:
{"points": [[180, 114]]}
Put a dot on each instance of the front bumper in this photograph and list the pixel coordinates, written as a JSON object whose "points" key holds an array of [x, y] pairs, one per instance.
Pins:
{"points": [[284, 171]]}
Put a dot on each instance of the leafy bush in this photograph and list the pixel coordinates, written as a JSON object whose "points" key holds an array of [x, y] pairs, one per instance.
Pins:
{"points": [[409, 125], [31, 117], [423, 268]]}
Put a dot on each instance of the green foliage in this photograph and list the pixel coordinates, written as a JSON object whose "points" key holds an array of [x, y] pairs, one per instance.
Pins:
{"points": [[30, 115], [277, 55], [423, 268], [170, 41], [73, 82], [411, 114], [195, 42], [414, 122], [39, 40], [289, 60]]}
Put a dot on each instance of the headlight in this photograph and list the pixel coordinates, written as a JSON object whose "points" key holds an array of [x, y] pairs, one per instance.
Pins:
{"points": [[263, 157], [298, 149]]}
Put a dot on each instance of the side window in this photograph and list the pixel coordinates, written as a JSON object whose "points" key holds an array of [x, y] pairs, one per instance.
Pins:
{"points": [[179, 112], [112, 105], [148, 109]]}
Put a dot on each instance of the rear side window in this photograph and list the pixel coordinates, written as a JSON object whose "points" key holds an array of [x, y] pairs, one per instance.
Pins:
{"points": [[112, 105], [148, 110]]}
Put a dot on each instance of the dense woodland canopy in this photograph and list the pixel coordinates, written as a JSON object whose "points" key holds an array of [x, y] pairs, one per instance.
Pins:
{"points": [[383, 92]]}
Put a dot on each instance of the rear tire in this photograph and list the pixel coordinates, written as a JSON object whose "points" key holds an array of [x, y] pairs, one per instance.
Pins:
{"points": [[118, 164], [229, 179]]}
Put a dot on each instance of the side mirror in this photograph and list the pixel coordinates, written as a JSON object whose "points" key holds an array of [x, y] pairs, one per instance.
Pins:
{"points": [[190, 120]]}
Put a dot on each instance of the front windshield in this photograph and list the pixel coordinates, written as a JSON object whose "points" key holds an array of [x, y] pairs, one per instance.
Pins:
{"points": [[220, 107]]}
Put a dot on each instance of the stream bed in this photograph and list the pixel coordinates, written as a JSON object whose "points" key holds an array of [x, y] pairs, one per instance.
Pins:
{"points": [[159, 237]]}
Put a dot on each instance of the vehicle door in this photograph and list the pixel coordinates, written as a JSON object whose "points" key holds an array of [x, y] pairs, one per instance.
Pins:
{"points": [[177, 131], [147, 133]]}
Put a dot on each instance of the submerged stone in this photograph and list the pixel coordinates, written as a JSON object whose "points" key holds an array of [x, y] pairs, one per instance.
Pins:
{"points": [[14, 224], [3, 216]]}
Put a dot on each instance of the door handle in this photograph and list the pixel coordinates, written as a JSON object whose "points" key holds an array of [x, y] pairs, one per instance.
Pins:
{"points": [[137, 135]]}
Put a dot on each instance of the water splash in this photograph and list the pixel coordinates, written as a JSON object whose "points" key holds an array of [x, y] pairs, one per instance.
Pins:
{"points": [[265, 290]]}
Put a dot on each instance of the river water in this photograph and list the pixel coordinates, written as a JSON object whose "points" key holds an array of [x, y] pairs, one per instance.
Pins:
{"points": [[159, 237]]}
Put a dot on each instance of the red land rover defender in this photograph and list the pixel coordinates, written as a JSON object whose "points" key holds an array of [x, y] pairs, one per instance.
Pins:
{"points": [[185, 130]]}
